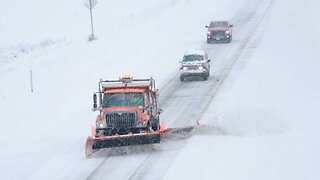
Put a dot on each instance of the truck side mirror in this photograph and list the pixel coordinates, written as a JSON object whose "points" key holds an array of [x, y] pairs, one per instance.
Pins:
{"points": [[207, 26], [209, 60], [231, 25], [95, 101]]}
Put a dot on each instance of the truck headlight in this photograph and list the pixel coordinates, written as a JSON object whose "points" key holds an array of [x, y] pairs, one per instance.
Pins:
{"points": [[200, 68], [140, 124], [209, 33], [100, 125], [185, 68]]}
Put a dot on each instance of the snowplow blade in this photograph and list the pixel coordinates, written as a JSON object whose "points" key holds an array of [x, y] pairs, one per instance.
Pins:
{"points": [[125, 140], [180, 130], [94, 144]]}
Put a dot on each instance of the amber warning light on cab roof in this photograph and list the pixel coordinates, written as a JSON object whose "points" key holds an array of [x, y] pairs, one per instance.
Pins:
{"points": [[126, 78]]}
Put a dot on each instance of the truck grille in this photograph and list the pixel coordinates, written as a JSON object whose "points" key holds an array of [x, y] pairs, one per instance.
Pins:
{"points": [[121, 119]]}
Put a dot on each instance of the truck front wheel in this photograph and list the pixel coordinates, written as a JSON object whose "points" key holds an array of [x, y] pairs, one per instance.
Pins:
{"points": [[155, 125]]}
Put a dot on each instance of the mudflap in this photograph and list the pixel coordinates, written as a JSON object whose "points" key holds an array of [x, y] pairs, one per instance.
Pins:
{"points": [[125, 140]]}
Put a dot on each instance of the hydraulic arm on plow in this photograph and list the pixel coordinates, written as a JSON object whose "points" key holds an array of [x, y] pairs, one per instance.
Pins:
{"points": [[128, 115]]}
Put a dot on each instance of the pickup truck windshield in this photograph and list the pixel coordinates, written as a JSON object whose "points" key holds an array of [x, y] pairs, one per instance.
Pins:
{"points": [[122, 99], [219, 24]]}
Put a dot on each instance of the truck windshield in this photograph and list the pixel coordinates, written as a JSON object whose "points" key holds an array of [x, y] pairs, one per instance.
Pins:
{"points": [[122, 99], [192, 57]]}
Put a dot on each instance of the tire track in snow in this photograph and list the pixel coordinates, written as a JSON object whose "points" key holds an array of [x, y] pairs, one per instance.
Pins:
{"points": [[234, 59]]}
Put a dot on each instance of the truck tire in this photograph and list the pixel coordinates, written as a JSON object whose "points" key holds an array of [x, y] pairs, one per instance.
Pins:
{"points": [[155, 125]]}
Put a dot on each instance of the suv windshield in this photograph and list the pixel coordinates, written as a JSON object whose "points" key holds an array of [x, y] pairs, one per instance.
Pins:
{"points": [[122, 99], [192, 57], [219, 24]]}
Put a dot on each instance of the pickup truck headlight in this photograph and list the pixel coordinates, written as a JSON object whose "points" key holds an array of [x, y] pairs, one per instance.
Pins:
{"points": [[227, 32], [200, 68], [209, 33], [185, 68]]}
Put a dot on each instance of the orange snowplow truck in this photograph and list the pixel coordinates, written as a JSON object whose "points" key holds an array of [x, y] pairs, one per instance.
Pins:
{"points": [[129, 114]]}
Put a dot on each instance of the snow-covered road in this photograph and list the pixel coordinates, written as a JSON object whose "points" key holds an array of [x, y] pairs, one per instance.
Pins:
{"points": [[251, 126]]}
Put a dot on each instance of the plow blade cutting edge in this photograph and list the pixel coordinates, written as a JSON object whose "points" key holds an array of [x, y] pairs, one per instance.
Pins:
{"points": [[93, 143], [126, 140]]}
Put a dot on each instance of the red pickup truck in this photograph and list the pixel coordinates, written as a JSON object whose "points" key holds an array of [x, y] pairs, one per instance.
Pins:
{"points": [[219, 31]]}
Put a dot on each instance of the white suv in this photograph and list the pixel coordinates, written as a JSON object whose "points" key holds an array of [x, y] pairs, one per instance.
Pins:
{"points": [[195, 63]]}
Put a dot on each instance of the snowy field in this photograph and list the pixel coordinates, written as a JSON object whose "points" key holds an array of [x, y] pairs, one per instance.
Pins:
{"points": [[264, 93]]}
